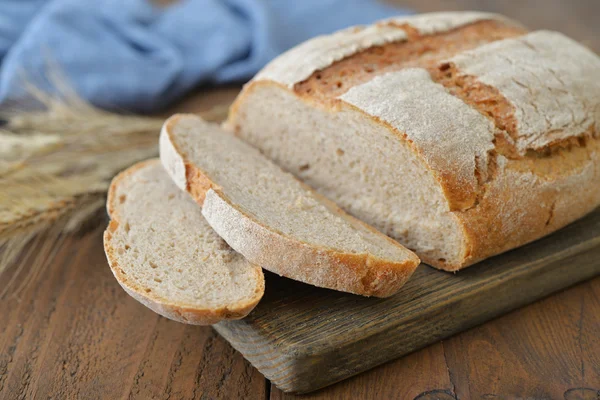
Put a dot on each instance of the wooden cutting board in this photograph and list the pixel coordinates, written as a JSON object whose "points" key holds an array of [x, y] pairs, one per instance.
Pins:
{"points": [[303, 338]]}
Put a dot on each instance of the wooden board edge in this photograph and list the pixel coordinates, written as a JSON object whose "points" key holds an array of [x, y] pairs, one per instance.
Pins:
{"points": [[297, 370]]}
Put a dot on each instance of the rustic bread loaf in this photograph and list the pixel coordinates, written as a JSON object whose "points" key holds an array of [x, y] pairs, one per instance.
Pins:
{"points": [[273, 219], [461, 135], [166, 256]]}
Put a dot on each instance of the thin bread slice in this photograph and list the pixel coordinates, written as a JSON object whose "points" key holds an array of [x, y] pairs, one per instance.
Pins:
{"points": [[166, 256], [276, 221]]}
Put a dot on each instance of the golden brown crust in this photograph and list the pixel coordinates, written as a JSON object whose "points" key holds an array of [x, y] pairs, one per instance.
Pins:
{"points": [[176, 311], [423, 51], [197, 184], [316, 54], [491, 103], [523, 203]]}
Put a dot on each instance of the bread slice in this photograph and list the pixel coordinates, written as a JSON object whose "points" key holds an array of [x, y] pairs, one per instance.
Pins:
{"points": [[276, 221], [165, 255]]}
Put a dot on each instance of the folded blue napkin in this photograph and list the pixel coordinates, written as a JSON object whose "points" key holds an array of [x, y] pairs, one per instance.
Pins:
{"points": [[132, 55]]}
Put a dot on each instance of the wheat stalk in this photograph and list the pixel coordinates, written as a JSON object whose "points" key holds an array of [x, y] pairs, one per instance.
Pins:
{"points": [[55, 167]]}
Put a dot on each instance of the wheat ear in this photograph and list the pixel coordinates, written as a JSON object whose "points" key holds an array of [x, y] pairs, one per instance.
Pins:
{"points": [[55, 167]]}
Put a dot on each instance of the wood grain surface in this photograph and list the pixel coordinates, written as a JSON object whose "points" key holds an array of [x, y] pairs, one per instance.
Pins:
{"points": [[548, 350], [74, 334], [303, 338]]}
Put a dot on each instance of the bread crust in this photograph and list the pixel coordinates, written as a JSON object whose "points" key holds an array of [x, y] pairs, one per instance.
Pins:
{"points": [[176, 311], [519, 207], [318, 53], [516, 200], [362, 274]]}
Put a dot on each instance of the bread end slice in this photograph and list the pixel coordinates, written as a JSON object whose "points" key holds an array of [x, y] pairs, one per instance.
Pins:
{"points": [[165, 255]]}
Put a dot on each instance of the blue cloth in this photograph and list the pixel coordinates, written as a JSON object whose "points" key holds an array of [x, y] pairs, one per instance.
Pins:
{"points": [[132, 55]]}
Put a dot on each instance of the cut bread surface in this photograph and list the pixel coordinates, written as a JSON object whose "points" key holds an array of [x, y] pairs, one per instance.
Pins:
{"points": [[359, 164], [165, 255], [276, 221]]}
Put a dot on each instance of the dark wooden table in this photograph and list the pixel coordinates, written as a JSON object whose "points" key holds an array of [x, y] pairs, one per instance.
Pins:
{"points": [[74, 333]]}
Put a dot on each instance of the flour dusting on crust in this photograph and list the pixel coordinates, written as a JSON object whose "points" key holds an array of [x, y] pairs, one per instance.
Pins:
{"points": [[302, 61], [432, 23], [552, 81], [453, 138]]}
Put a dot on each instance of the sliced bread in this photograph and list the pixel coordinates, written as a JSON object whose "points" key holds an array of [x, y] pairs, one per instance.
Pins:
{"points": [[460, 134], [276, 221], [166, 256]]}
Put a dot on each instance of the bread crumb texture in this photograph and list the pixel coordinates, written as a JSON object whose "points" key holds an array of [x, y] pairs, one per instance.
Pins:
{"points": [[164, 253]]}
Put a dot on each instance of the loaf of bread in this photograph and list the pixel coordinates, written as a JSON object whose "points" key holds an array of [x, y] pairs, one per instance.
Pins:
{"points": [[166, 256], [461, 135], [273, 219]]}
